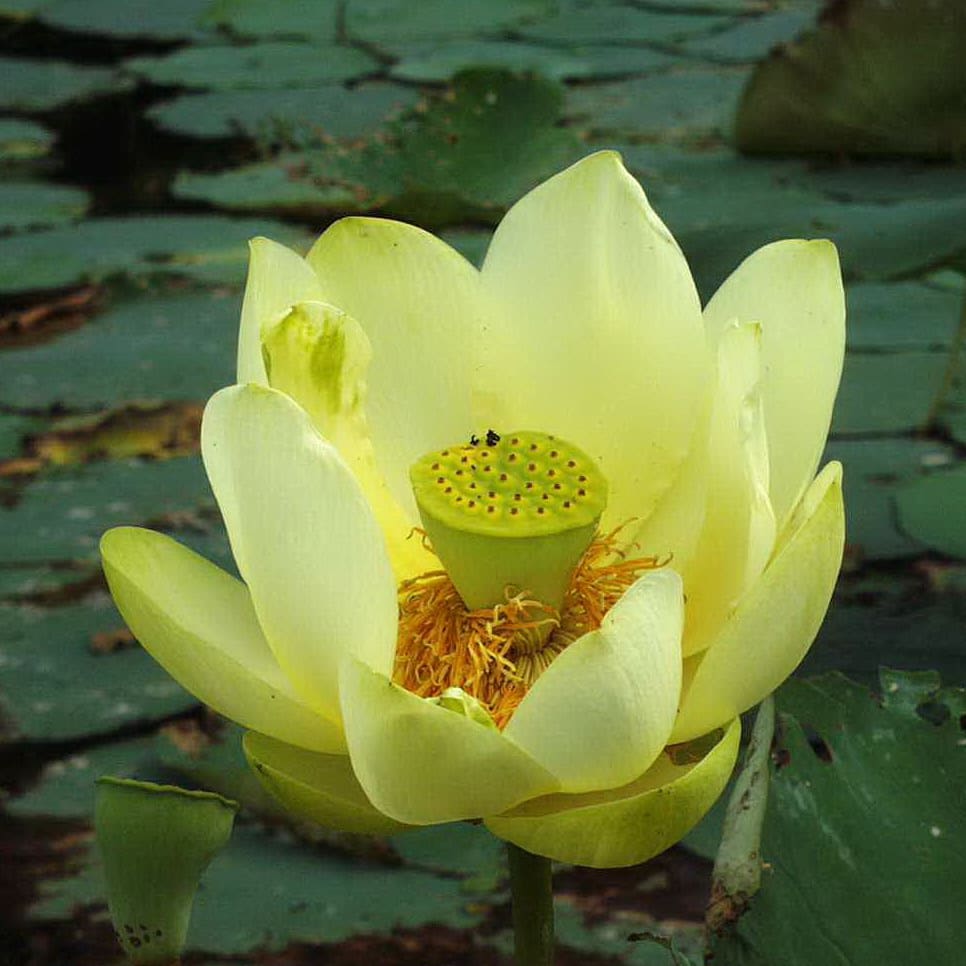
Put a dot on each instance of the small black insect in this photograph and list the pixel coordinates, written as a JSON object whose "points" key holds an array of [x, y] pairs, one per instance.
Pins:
{"points": [[492, 438], [474, 440]]}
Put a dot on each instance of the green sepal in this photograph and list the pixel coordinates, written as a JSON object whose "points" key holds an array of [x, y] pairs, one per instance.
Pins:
{"points": [[155, 842]]}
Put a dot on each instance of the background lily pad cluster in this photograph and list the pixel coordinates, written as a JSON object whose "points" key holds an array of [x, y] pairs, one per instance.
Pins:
{"points": [[142, 143]]}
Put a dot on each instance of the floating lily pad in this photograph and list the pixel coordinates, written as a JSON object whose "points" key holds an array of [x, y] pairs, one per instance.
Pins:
{"points": [[58, 686], [888, 392], [61, 515], [40, 85], [295, 19], [895, 97], [265, 66], [31, 204], [864, 833], [469, 155], [280, 115], [379, 21], [438, 64], [621, 25], [178, 348], [875, 469], [751, 39], [689, 103], [901, 316], [23, 140], [211, 248], [170, 20], [271, 187], [931, 509]]}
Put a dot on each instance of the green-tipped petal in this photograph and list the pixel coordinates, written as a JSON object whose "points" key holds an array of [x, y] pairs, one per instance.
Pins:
{"points": [[603, 710], [321, 788], [419, 303], [421, 763], [794, 289], [598, 335], [774, 626], [320, 356], [304, 539], [277, 279], [739, 526], [627, 825], [198, 623], [155, 841]]}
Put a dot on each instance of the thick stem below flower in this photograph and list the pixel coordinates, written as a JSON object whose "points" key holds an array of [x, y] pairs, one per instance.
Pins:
{"points": [[532, 892]]}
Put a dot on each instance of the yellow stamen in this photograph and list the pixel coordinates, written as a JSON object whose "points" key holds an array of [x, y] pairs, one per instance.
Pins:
{"points": [[495, 654]]}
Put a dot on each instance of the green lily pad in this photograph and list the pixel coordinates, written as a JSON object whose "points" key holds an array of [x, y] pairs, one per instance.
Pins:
{"points": [[295, 19], [271, 187], [931, 511], [687, 104], [31, 581], [57, 686], [165, 349], [32, 204], [23, 140], [901, 316], [621, 25], [438, 64], [896, 97], [888, 392], [875, 469], [41, 85], [468, 156], [280, 115], [209, 248], [265, 66], [171, 20], [864, 833], [751, 39], [908, 619], [61, 515], [380, 21]]}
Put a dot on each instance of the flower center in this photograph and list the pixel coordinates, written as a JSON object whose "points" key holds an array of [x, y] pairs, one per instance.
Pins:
{"points": [[513, 521], [515, 511]]}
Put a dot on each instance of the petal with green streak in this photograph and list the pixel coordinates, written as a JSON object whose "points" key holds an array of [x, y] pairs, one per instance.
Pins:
{"points": [[597, 336], [626, 825], [421, 763], [304, 538], [277, 279], [420, 304], [321, 788], [739, 527], [198, 623], [319, 356], [794, 289], [773, 627], [603, 710]]}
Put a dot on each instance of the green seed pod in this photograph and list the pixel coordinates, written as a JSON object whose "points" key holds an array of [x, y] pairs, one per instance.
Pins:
{"points": [[155, 842], [518, 511]]}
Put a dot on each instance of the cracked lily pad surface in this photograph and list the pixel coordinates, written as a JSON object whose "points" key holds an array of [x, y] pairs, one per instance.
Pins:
{"points": [[142, 144]]}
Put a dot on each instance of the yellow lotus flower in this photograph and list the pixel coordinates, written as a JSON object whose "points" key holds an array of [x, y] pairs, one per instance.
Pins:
{"points": [[374, 697]]}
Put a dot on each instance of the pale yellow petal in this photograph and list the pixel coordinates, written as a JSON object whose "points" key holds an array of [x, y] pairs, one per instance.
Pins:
{"points": [[304, 539], [198, 623], [420, 304], [794, 290], [739, 527], [626, 825], [766, 638], [320, 788], [421, 763], [598, 335], [277, 279], [603, 710], [320, 356]]}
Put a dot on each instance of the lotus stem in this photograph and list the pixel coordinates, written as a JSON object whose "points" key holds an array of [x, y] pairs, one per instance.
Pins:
{"points": [[532, 893]]}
